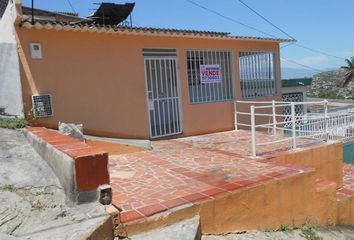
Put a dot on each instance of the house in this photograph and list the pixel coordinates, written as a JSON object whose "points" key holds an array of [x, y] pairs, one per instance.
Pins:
{"points": [[141, 82], [295, 90]]}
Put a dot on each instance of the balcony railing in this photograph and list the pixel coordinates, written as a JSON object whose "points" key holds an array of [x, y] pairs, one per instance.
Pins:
{"points": [[274, 118]]}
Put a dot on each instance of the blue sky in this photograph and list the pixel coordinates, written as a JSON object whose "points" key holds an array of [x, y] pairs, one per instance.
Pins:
{"points": [[326, 25]]}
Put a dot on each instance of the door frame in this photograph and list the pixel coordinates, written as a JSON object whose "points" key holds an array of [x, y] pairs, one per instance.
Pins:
{"points": [[179, 93]]}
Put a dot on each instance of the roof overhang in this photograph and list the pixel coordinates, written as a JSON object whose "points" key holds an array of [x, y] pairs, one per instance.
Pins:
{"points": [[147, 31]]}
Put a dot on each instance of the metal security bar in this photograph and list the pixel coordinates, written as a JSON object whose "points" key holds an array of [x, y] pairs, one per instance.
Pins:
{"points": [[209, 75], [42, 105], [257, 74], [163, 96]]}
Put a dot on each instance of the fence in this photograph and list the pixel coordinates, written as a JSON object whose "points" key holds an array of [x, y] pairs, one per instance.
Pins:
{"points": [[296, 124]]}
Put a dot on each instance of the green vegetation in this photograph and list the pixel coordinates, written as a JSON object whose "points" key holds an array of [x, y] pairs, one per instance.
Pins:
{"points": [[330, 94], [8, 188], [308, 232], [349, 71], [44, 192], [12, 123], [286, 229]]}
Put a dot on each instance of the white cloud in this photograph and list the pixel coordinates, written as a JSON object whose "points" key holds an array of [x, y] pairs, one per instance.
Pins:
{"points": [[312, 60], [344, 54], [316, 61]]}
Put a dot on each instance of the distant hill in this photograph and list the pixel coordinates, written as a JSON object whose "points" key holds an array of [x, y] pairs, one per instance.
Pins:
{"points": [[329, 85]]}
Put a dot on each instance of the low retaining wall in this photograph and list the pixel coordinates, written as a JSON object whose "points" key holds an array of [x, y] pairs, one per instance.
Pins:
{"points": [[81, 169], [327, 159]]}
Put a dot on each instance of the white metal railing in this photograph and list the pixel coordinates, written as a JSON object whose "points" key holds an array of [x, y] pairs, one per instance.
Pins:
{"points": [[273, 117]]}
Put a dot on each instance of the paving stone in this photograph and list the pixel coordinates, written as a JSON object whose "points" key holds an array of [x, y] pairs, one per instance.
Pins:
{"points": [[186, 171], [348, 182]]}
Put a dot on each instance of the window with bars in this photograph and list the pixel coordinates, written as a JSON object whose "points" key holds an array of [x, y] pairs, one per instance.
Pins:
{"points": [[257, 74], [209, 75]]}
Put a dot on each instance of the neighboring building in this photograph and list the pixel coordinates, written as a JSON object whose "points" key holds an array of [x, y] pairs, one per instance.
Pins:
{"points": [[295, 90], [136, 82], [10, 83]]}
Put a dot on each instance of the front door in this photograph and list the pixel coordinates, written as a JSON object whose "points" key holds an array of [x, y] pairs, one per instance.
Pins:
{"points": [[163, 96]]}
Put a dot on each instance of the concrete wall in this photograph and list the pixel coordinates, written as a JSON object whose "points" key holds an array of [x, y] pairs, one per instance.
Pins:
{"points": [[295, 89], [81, 169], [327, 159], [98, 79], [10, 84]]}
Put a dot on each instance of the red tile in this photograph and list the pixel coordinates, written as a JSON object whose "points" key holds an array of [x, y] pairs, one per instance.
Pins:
{"points": [[346, 191], [84, 152], [231, 186], [47, 134], [213, 192], [191, 174], [217, 183], [245, 183], [91, 171], [273, 174], [130, 216], [61, 142], [36, 129], [71, 146], [262, 179], [195, 197], [152, 209], [180, 170], [174, 202]]}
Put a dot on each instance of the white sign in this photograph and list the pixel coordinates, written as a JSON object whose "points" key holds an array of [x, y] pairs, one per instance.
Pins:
{"points": [[210, 73]]}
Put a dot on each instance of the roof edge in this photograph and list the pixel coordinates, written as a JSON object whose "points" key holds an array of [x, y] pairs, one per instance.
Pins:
{"points": [[150, 31]]}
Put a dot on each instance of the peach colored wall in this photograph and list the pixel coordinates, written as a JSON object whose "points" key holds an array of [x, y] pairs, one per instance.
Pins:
{"points": [[326, 159], [98, 80]]}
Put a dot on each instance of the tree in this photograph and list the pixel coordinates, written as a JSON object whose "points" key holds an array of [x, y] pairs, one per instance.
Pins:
{"points": [[349, 73]]}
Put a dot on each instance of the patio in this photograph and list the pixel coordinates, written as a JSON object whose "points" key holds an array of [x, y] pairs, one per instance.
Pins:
{"points": [[189, 170]]}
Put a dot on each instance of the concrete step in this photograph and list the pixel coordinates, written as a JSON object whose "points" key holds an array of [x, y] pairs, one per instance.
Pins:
{"points": [[292, 200], [188, 229], [325, 205], [345, 206]]}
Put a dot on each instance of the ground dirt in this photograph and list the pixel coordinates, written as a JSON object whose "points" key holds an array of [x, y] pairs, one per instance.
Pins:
{"points": [[32, 202]]}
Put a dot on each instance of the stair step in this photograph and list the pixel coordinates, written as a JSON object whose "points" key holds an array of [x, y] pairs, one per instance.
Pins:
{"points": [[323, 184], [344, 193]]}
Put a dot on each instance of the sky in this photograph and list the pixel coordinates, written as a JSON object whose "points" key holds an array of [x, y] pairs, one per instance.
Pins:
{"points": [[324, 25]]}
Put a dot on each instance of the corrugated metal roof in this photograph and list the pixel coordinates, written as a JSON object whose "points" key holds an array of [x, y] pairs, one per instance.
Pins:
{"points": [[89, 27]]}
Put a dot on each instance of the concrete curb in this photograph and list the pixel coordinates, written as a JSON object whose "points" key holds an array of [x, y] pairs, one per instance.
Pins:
{"points": [[131, 142], [81, 169]]}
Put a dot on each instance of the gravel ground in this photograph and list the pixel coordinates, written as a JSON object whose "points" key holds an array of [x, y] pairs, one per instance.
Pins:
{"points": [[32, 201]]}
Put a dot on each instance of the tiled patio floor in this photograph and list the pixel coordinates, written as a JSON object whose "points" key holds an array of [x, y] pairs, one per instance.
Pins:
{"points": [[188, 170], [348, 182]]}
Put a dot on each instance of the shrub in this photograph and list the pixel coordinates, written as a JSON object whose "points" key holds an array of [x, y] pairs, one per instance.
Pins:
{"points": [[12, 123]]}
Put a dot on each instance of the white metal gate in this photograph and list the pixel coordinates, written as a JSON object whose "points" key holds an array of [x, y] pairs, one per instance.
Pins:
{"points": [[163, 95]]}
